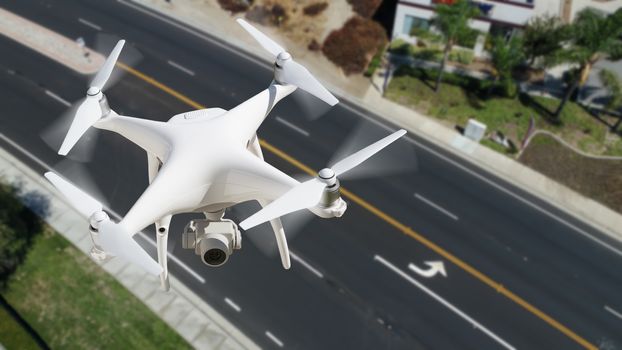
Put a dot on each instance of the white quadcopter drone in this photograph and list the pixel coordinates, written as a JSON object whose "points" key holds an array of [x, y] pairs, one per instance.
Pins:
{"points": [[222, 149]]}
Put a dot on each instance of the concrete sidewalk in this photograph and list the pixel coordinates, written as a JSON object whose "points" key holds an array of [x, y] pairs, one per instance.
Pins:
{"points": [[197, 322], [206, 16]]}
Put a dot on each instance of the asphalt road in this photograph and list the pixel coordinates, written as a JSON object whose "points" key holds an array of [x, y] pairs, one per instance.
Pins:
{"points": [[490, 230]]}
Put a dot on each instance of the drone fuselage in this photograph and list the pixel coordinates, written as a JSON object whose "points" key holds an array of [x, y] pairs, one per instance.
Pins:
{"points": [[204, 164]]}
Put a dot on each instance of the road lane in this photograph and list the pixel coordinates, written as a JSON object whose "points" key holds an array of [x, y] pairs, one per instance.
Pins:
{"points": [[471, 252]]}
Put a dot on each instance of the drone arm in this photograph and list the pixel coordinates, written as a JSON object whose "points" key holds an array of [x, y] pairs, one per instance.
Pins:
{"points": [[277, 226], [150, 135], [249, 115]]}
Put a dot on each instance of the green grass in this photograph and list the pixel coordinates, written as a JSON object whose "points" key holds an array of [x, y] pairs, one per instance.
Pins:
{"points": [[73, 303], [455, 105], [12, 335]]}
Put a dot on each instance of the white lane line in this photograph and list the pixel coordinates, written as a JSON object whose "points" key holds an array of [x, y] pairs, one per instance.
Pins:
{"points": [[292, 126], [89, 24], [613, 312], [181, 68], [306, 264], [483, 178], [447, 304], [57, 98], [233, 305], [500, 187], [276, 340], [148, 239], [435, 206]]}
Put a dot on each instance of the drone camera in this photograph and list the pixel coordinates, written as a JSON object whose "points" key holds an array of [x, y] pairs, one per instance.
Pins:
{"points": [[213, 241]]}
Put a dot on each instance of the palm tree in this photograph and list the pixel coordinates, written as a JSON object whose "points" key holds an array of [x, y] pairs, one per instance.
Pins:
{"points": [[453, 22], [542, 36], [506, 56], [593, 37]]}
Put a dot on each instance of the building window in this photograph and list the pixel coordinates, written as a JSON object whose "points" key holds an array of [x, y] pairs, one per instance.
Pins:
{"points": [[412, 24]]}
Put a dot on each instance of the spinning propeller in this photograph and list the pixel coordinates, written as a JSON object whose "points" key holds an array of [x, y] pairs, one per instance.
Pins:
{"points": [[310, 193], [113, 238], [90, 110], [288, 71]]}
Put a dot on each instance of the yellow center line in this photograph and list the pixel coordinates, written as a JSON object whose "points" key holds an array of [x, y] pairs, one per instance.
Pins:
{"points": [[391, 221]]}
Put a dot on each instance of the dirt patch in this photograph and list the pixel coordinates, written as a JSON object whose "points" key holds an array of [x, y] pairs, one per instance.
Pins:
{"points": [[598, 179]]}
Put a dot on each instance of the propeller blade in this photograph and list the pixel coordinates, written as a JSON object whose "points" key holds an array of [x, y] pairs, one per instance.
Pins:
{"points": [[359, 157], [80, 201], [399, 159], [263, 40], [296, 74], [87, 114], [302, 196], [115, 240], [100, 79]]}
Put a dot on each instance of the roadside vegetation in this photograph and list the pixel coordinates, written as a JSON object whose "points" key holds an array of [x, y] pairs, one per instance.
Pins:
{"points": [[495, 98], [67, 299], [495, 89], [595, 178]]}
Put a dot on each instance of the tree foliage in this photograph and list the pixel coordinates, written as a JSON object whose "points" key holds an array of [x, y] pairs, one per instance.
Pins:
{"points": [[452, 21], [614, 87], [506, 56], [544, 35], [593, 36]]}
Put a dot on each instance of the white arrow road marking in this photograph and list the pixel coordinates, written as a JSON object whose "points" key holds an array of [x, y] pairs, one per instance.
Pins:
{"points": [[447, 304], [435, 267]]}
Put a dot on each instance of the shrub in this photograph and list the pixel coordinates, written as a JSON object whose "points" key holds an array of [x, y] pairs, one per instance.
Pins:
{"points": [[274, 15], [353, 46], [461, 56], [400, 47], [315, 9], [365, 8], [235, 6], [434, 55], [18, 225], [468, 83], [374, 63]]}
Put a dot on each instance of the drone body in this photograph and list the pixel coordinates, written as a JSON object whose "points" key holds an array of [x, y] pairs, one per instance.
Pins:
{"points": [[206, 161]]}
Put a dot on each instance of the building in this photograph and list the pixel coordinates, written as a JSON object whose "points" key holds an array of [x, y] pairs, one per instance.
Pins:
{"points": [[498, 16]]}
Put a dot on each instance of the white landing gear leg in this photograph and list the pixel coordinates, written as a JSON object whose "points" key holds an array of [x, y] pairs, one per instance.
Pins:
{"points": [[161, 243]]}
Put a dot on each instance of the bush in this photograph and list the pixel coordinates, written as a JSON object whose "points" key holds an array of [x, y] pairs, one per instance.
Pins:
{"points": [[18, 226], [434, 55], [274, 15], [365, 8], [315, 9], [353, 46], [400, 47], [235, 6], [375, 63], [461, 56], [468, 83], [426, 35]]}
